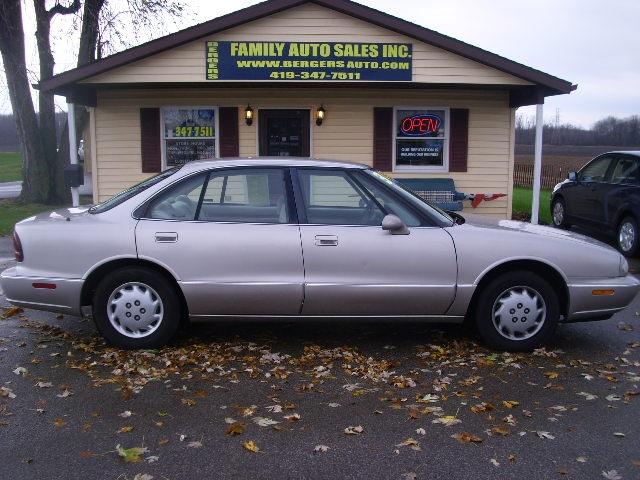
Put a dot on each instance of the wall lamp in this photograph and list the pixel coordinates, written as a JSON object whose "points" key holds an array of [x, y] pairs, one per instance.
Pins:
{"points": [[248, 115], [320, 115]]}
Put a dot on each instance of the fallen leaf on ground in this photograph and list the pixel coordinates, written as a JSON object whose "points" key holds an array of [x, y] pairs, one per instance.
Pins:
{"points": [[466, 437], [44, 385], [447, 420], [10, 312], [611, 475], [133, 454], [411, 443], [503, 431], [59, 422], [581, 459], [125, 414], [619, 434], [236, 428], [510, 403], [143, 476], [264, 421], [320, 448], [195, 444], [20, 371], [354, 430], [125, 429], [421, 431], [251, 446], [294, 417], [545, 435]]}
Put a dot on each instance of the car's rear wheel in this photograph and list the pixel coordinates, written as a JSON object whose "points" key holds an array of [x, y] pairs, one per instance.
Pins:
{"points": [[627, 237], [559, 213], [136, 308], [517, 311]]}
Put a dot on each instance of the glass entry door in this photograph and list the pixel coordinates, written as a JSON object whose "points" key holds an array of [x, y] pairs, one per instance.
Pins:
{"points": [[284, 133]]}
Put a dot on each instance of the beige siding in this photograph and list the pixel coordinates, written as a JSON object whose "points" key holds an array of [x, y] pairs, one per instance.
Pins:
{"points": [[346, 134], [308, 23]]}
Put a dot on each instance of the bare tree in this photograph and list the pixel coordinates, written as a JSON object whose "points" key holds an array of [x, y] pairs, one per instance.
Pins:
{"points": [[101, 21]]}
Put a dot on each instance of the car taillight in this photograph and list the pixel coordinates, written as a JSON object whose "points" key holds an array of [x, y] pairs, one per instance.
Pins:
{"points": [[17, 248]]}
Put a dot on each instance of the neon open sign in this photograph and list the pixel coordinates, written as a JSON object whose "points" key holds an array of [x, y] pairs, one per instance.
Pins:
{"points": [[421, 125]]}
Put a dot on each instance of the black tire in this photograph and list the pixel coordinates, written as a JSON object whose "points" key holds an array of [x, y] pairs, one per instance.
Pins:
{"points": [[559, 202], [626, 248], [520, 281], [164, 329]]}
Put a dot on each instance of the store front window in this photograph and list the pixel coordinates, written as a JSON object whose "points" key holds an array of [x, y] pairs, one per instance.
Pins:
{"points": [[421, 139], [189, 134]]}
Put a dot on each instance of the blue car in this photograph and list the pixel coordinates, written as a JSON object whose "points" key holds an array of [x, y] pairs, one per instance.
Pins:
{"points": [[603, 195]]}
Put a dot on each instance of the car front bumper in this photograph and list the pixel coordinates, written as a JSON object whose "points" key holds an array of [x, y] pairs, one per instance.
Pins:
{"points": [[585, 305], [20, 291]]}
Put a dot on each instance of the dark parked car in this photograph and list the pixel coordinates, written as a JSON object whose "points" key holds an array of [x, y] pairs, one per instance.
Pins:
{"points": [[605, 195]]}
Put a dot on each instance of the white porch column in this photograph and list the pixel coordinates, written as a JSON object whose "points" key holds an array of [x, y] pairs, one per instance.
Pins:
{"points": [[537, 165], [73, 148]]}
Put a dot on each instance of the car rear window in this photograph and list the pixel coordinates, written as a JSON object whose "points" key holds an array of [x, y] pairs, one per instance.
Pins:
{"points": [[131, 191]]}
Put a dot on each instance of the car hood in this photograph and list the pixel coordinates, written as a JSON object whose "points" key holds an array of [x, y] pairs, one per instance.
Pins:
{"points": [[482, 221]]}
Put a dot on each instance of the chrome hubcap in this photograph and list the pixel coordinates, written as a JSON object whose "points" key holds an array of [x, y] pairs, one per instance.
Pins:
{"points": [[519, 313], [626, 236], [135, 310], [558, 213]]}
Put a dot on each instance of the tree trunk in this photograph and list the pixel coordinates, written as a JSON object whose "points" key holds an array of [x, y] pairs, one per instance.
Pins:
{"points": [[35, 172], [86, 54], [47, 110]]}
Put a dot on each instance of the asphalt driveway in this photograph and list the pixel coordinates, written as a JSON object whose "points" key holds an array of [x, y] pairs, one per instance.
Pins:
{"points": [[318, 400]]}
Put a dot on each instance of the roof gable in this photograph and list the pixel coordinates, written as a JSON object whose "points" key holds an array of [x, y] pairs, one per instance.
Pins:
{"points": [[236, 20]]}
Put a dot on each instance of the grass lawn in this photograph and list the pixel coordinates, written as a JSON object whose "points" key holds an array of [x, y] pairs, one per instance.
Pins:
{"points": [[12, 212], [10, 167], [522, 198]]}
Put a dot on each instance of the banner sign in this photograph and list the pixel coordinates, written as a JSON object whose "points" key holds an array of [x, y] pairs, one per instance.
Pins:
{"points": [[309, 61]]}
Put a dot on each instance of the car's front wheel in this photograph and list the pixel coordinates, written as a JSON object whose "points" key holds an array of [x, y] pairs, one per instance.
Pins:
{"points": [[517, 311], [136, 308], [628, 236], [559, 213]]}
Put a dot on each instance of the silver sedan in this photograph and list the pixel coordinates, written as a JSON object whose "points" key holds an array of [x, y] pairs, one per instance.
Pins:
{"points": [[302, 239]]}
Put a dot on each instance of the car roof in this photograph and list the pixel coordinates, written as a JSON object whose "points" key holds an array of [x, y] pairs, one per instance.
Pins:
{"points": [[271, 162], [628, 152]]}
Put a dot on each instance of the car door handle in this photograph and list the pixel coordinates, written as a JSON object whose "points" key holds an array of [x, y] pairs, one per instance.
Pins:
{"points": [[166, 237], [326, 240]]}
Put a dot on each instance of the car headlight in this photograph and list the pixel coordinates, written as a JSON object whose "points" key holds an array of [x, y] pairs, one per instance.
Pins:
{"points": [[624, 266]]}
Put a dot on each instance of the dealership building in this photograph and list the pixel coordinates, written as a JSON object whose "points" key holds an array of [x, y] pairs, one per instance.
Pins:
{"points": [[325, 79]]}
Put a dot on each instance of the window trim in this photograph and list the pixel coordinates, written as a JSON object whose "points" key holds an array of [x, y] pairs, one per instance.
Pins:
{"points": [[426, 221], [613, 160], [445, 149], [163, 139], [618, 158], [143, 209]]}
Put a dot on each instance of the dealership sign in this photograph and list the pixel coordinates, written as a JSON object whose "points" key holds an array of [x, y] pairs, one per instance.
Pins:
{"points": [[309, 61]]}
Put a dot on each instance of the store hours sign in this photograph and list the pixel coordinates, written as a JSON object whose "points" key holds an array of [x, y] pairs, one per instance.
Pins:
{"points": [[309, 61]]}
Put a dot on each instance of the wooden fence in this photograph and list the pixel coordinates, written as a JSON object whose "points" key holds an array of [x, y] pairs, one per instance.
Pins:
{"points": [[551, 175]]}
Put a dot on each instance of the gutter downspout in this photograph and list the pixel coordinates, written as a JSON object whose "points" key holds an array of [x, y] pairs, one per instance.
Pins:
{"points": [[73, 148]]}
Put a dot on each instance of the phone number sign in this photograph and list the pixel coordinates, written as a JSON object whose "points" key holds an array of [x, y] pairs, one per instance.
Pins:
{"points": [[309, 61]]}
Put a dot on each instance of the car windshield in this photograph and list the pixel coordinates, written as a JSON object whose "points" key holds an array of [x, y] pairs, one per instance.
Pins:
{"points": [[413, 197], [132, 191]]}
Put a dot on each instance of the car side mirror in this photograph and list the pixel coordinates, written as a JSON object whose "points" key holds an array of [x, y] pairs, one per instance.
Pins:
{"points": [[394, 225], [573, 177]]}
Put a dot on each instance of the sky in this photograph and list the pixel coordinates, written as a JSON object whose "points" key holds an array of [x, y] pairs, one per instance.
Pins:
{"points": [[591, 43]]}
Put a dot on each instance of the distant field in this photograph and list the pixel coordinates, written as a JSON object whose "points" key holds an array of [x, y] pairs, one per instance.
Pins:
{"points": [[10, 167], [570, 157]]}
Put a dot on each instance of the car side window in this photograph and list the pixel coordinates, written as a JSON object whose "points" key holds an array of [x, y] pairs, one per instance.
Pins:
{"points": [[391, 203], [178, 202], [245, 195], [596, 171], [331, 197], [626, 171]]}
